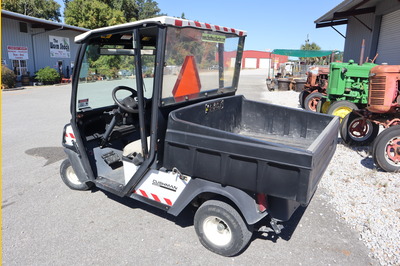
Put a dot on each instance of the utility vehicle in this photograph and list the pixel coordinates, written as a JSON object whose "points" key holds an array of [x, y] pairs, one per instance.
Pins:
{"points": [[173, 133]]}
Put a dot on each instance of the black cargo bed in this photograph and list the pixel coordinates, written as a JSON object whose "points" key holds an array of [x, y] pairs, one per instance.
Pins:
{"points": [[257, 147]]}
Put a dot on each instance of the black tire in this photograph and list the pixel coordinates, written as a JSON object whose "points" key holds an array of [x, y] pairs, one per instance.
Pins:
{"points": [[354, 131], [221, 229], [69, 177], [302, 96], [320, 104], [341, 108], [311, 101], [386, 151]]}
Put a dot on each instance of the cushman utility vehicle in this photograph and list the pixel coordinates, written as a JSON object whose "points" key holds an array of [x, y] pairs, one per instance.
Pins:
{"points": [[154, 120], [361, 127]]}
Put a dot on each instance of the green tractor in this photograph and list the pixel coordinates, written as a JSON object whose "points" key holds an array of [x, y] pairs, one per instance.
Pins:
{"points": [[347, 88]]}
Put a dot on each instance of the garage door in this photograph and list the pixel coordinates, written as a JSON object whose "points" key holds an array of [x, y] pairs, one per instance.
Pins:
{"points": [[389, 39], [250, 63], [233, 61], [265, 63]]}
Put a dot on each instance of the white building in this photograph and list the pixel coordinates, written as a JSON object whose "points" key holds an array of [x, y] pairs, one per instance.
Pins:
{"points": [[375, 21], [29, 44]]}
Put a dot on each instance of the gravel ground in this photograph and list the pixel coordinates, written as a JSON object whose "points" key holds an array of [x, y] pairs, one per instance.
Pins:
{"points": [[363, 196]]}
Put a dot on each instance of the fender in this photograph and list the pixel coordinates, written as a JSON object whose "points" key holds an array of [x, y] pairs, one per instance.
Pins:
{"points": [[76, 164], [245, 202]]}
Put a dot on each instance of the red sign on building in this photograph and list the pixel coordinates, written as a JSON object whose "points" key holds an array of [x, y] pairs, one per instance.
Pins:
{"points": [[17, 52]]}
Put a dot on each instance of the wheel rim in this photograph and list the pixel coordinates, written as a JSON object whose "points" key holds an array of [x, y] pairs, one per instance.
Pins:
{"points": [[217, 231], [360, 129], [72, 177], [392, 154], [342, 111], [325, 106], [312, 104]]}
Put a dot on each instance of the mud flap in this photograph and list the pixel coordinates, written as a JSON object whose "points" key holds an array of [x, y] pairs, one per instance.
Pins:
{"points": [[76, 164]]}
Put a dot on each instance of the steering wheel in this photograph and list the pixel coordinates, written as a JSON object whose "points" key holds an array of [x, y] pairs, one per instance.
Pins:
{"points": [[128, 104]]}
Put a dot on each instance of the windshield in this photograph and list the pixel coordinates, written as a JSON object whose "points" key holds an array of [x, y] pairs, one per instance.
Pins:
{"points": [[109, 64], [198, 63]]}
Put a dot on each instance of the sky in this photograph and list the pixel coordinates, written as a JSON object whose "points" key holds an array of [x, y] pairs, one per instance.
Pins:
{"points": [[270, 24]]}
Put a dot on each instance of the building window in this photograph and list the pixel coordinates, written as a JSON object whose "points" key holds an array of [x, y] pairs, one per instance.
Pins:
{"points": [[23, 27], [19, 67]]}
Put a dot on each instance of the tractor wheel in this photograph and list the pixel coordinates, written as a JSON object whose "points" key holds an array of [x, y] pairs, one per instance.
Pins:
{"points": [[323, 106], [341, 108], [221, 229], [311, 101], [356, 130], [386, 151], [69, 177], [302, 96]]}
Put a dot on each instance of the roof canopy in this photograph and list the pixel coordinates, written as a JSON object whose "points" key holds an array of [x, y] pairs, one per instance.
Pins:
{"points": [[339, 15], [163, 20], [303, 53]]}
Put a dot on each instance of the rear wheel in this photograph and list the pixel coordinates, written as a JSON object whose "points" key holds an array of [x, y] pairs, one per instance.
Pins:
{"points": [[386, 151], [356, 130], [341, 108], [221, 229], [311, 101], [69, 177]]}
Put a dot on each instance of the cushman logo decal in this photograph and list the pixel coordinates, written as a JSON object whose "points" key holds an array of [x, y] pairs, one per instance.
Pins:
{"points": [[164, 185]]}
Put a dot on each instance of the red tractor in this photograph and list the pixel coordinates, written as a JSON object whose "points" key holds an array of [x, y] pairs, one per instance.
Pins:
{"points": [[361, 127], [315, 87]]}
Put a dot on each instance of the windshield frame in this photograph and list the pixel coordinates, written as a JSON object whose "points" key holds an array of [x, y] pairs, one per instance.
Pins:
{"points": [[130, 81], [212, 92]]}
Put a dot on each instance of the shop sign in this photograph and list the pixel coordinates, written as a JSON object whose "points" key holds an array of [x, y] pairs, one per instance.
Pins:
{"points": [[17, 52], [59, 47]]}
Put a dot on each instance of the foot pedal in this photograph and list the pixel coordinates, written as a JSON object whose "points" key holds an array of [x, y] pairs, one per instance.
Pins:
{"points": [[137, 159], [111, 158]]}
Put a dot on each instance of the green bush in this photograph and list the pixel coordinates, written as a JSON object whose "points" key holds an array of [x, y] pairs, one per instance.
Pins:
{"points": [[48, 75], [8, 78]]}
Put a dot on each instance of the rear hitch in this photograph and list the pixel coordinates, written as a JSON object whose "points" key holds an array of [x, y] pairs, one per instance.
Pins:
{"points": [[275, 227]]}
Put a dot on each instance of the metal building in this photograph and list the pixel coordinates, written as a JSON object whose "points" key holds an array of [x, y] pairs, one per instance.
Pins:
{"points": [[29, 44], [375, 21]]}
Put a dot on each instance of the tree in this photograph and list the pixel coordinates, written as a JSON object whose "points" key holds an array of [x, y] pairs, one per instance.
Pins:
{"points": [[92, 14], [310, 46], [100, 13], [146, 9], [45, 9], [128, 7]]}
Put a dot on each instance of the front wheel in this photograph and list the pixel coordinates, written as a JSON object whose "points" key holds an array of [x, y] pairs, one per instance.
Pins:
{"points": [[69, 177], [221, 229], [356, 130], [386, 151], [341, 108]]}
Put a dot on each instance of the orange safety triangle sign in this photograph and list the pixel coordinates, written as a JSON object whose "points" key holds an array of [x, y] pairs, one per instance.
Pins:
{"points": [[188, 83]]}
